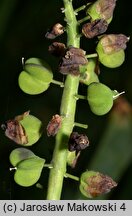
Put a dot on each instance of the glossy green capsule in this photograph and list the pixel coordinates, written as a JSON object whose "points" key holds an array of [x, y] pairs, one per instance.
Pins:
{"points": [[27, 166], [100, 98], [102, 9], [36, 76], [111, 60], [33, 129]]}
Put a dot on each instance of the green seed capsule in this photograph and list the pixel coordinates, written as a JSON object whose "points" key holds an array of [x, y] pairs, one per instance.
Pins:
{"points": [[93, 184], [89, 76], [100, 98], [36, 76], [27, 166], [29, 171], [30, 84], [112, 60], [33, 129], [102, 9], [38, 69]]}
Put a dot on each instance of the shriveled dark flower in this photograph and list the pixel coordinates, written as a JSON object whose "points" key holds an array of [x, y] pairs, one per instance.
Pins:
{"points": [[100, 184], [94, 28], [54, 125], [105, 8], [93, 184], [114, 42], [55, 31], [57, 49], [73, 59], [78, 142], [14, 130]]}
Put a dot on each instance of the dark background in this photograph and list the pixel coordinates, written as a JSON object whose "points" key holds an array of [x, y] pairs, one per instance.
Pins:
{"points": [[23, 25]]}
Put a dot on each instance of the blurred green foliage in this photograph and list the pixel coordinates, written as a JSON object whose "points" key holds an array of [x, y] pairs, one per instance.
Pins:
{"points": [[23, 25]]}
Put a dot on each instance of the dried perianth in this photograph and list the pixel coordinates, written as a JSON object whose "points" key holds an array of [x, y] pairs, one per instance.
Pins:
{"points": [[73, 58]]}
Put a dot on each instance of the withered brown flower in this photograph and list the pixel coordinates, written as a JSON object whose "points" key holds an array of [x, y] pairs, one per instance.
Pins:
{"points": [[14, 130], [54, 125], [55, 31], [94, 28], [57, 49], [73, 59]]}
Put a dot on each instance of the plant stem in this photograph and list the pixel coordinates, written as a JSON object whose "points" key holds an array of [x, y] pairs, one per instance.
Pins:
{"points": [[67, 109], [67, 175], [80, 8], [77, 96], [84, 19], [48, 166], [80, 125], [61, 84], [93, 55]]}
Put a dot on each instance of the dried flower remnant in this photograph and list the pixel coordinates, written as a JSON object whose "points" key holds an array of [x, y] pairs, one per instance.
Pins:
{"points": [[74, 162], [55, 31], [110, 49], [54, 125], [14, 130], [57, 49], [114, 42], [78, 142], [100, 184], [105, 8], [94, 184], [22, 116], [102, 9], [94, 28], [73, 59]]}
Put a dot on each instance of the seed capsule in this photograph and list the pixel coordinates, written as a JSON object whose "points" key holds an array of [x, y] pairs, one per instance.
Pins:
{"points": [[93, 184], [36, 76], [102, 9], [100, 98], [110, 50]]}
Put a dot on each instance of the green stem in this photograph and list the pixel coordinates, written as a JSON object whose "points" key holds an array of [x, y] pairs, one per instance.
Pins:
{"points": [[67, 109], [80, 8], [77, 96], [80, 125], [83, 19], [93, 55], [61, 84], [50, 166], [67, 175]]}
